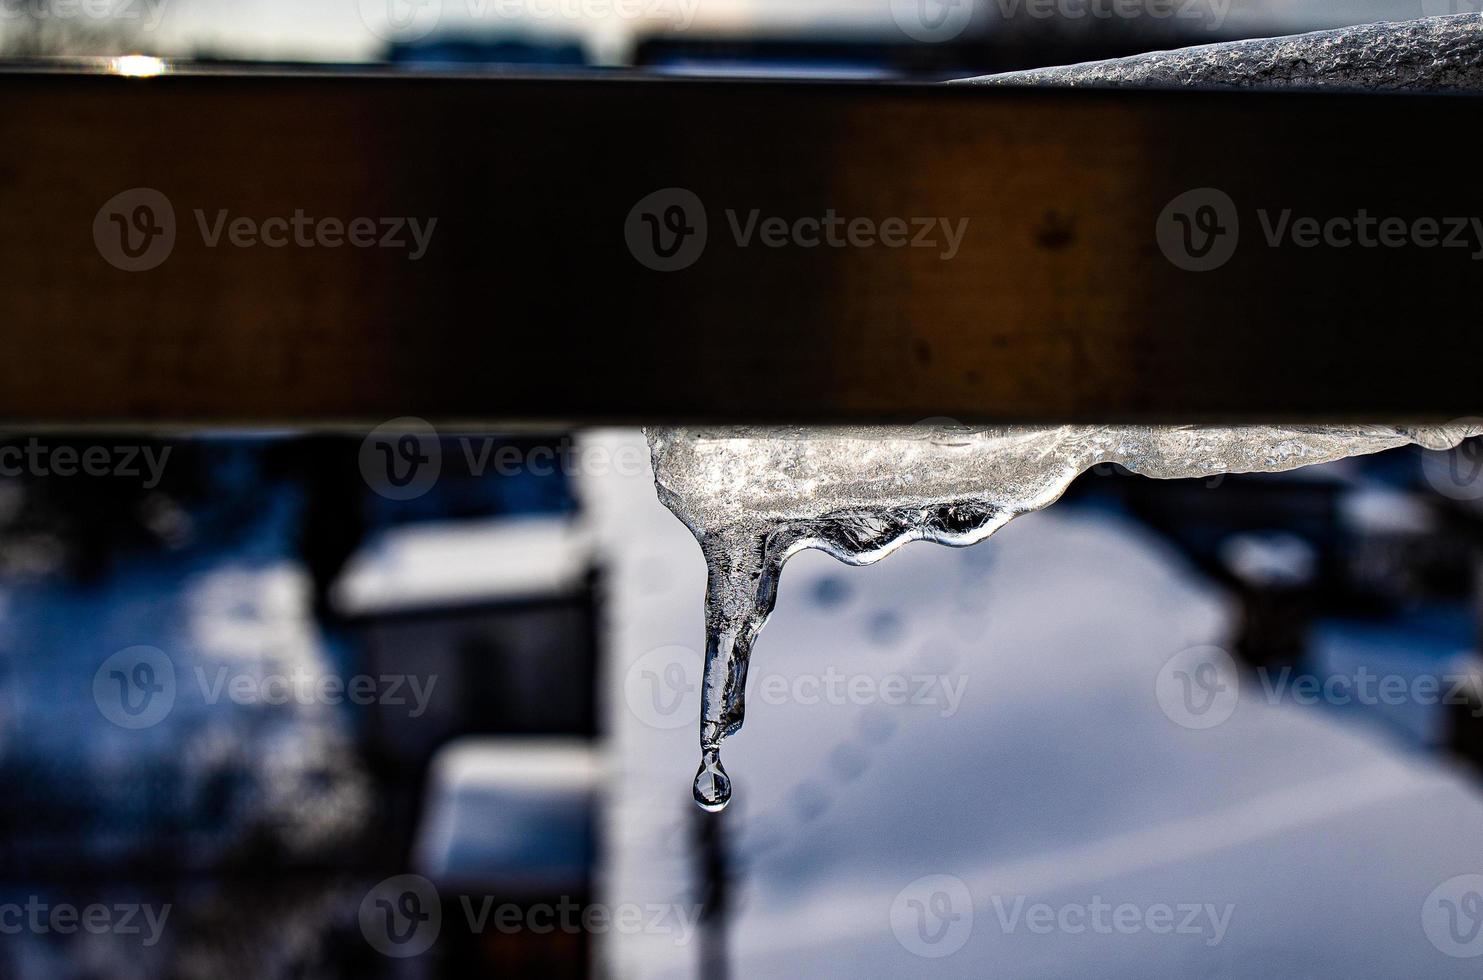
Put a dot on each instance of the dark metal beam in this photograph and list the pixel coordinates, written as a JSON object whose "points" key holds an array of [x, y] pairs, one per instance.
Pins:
{"points": [[529, 304]]}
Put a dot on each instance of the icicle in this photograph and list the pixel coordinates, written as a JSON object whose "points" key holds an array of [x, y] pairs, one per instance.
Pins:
{"points": [[754, 497]]}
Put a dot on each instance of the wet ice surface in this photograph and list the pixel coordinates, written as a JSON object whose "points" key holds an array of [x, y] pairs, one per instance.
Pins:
{"points": [[753, 497], [1428, 54], [1057, 778]]}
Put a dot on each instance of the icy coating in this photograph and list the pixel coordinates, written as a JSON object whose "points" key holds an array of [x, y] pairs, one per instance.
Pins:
{"points": [[755, 496]]}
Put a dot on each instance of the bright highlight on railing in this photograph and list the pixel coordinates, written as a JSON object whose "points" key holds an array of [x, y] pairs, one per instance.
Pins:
{"points": [[138, 66]]}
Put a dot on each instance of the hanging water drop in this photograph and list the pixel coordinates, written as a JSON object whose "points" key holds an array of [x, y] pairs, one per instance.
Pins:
{"points": [[712, 785], [755, 496]]}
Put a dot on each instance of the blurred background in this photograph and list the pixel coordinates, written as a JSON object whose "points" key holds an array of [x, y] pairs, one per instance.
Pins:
{"points": [[921, 39], [275, 705], [424, 705]]}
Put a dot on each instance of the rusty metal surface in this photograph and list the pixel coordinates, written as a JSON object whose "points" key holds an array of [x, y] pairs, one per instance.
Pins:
{"points": [[530, 303]]}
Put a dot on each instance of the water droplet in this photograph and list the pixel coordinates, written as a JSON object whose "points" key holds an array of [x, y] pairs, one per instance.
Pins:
{"points": [[753, 497], [712, 785]]}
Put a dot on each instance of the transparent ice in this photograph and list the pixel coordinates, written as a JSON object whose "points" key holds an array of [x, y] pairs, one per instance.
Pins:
{"points": [[755, 496]]}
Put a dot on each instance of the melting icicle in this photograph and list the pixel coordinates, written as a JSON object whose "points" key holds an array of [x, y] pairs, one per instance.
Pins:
{"points": [[755, 496]]}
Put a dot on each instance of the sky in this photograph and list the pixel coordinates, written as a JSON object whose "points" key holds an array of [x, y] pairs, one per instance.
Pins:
{"points": [[357, 30]]}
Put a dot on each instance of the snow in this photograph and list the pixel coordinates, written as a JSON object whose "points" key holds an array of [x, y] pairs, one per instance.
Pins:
{"points": [[1058, 779]]}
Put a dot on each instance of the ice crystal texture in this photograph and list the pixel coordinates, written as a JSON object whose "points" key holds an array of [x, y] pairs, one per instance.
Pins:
{"points": [[755, 496]]}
